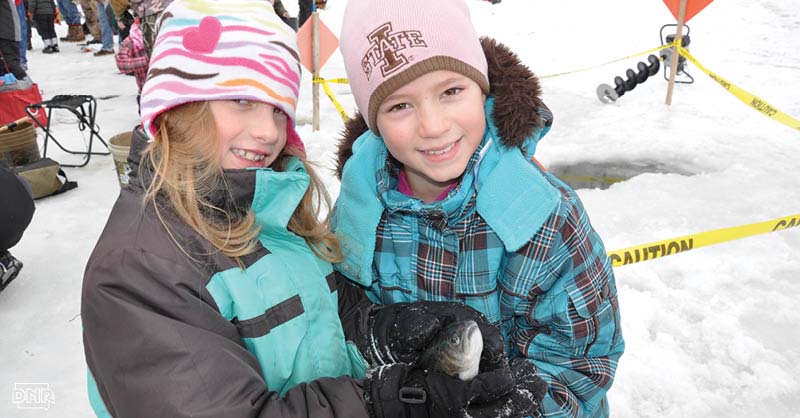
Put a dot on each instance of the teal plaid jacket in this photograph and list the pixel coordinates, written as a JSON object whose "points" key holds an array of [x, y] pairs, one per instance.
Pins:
{"points": [[511, 241]]}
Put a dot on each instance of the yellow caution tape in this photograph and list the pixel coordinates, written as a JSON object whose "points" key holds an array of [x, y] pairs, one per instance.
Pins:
{"points": [[609, 62], [750, 99], [331, 80], [329, 92], [658, 249]]}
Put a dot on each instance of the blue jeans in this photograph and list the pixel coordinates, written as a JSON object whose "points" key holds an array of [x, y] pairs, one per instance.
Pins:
{"points": [[23, 33], [69, 11], [105, 28]]}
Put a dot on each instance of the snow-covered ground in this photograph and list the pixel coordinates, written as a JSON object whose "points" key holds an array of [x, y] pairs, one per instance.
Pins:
{"points": [[710, 333]]}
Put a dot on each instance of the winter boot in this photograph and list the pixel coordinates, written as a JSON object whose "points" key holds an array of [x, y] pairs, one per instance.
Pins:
{"points": [[9, 268], [52, 46], [70, 31]]}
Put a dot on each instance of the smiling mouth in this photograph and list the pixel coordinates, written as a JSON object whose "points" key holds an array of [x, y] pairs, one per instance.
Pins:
{"points": [[440, 151], [248, 155]]}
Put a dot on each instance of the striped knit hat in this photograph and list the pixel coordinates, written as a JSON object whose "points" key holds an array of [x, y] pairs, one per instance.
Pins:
{"points": [[222, 50], [389, 43]]}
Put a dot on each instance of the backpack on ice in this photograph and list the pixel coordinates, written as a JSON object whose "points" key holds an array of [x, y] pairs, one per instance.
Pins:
{"points": [[45, 177]]}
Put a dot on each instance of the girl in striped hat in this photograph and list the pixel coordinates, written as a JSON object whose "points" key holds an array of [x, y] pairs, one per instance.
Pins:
{"points": [[210, 293]]}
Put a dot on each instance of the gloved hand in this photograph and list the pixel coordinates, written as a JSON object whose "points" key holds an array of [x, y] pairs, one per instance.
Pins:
{"points": [[401, 391], [400, 332], [524, 400]]}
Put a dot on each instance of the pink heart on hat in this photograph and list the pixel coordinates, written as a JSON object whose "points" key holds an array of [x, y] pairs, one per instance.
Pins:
{"points": [[204, 38]]}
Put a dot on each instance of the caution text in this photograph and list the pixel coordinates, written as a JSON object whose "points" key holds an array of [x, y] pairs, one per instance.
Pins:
{"points": [[654, 251], [763, 107], [784, 224], [721, 81]]}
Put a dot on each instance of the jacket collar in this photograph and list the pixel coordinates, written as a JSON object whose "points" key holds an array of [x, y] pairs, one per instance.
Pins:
{"points": [[520, 196], [452, 207], [273, 195]]}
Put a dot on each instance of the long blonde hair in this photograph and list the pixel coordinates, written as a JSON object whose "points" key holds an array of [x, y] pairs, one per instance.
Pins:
{"points": [[185, 171]]}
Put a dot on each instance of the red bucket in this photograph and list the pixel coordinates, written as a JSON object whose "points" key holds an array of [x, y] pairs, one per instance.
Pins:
{"points": [[13, 103]]}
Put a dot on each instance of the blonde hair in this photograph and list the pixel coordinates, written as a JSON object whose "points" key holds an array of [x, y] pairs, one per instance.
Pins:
{"points": [[186, 170]]}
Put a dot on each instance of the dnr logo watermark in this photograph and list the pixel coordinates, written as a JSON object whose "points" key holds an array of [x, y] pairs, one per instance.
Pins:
{"points": [[33, 396], [385, 46]]}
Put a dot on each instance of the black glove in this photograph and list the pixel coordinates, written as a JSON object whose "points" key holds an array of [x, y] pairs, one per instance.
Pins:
{"points": [[400, 332], [524, 400], [401, 391]]}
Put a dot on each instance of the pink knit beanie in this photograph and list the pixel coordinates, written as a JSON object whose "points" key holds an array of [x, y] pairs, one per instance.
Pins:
{"points": [[222, 50], [388, 43]]}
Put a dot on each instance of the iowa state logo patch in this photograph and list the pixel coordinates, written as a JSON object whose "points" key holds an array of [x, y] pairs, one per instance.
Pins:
{"points": [[386, 48]]}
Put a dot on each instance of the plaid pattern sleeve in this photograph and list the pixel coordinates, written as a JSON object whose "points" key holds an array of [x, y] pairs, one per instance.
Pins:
{"points": [[131, 59], [561, 311]]}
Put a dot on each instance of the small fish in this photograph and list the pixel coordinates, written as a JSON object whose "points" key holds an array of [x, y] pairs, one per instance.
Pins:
{"points": [[456, 350]]}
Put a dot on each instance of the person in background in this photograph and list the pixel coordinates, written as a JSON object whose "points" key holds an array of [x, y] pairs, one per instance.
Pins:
{"points": [[91, 24], [71, 15], [10, 35], [105, 15], [125, 23], [441, 198], [132, 59], [16, 211], [119, 7], [281, 11], [305, 9], [123, 18], [44, 14], [23, 34], [148, 12], [30, 23], [210, 292]]}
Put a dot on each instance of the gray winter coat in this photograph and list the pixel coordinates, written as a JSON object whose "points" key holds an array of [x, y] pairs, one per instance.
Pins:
{"points": [[9, 21], [160, 343]]}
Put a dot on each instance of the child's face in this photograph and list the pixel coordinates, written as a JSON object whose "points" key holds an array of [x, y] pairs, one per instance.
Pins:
{"points": [[249, 133], [433, 126]]}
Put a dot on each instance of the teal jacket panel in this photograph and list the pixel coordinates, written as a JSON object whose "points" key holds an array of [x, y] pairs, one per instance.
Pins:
{"points": [[285, 304]]}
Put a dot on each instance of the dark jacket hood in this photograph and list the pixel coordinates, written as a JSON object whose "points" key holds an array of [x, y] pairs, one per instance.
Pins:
{"points": [[517, 95]]}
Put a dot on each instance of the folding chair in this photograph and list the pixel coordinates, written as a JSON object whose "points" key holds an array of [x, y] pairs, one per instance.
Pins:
{"points": [[84, 107]]}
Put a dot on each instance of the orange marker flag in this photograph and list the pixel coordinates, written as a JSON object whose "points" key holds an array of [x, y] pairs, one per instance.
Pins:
{"points": [[328, 42], [693, 7]]}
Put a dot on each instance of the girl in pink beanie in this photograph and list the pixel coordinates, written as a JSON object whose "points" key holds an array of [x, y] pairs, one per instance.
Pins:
{"points": [[441, 199]]}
